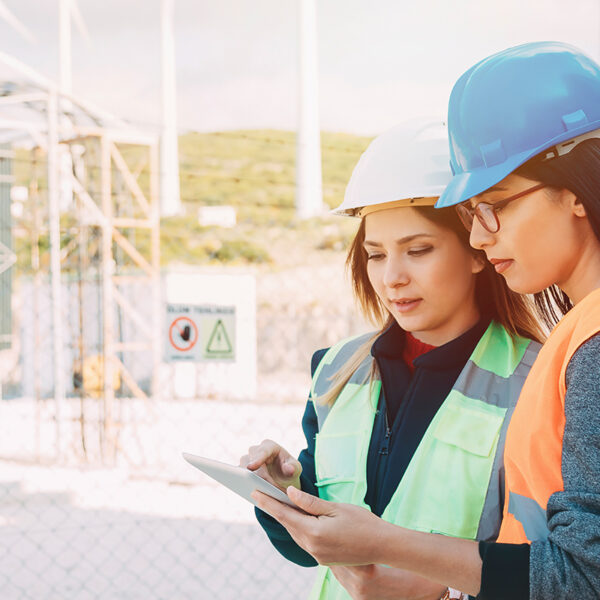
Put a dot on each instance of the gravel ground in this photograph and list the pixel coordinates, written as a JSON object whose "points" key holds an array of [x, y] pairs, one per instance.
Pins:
{"points": [[155, 528]]}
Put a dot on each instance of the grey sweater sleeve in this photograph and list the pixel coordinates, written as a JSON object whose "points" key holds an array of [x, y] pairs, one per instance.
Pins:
{"points": [[567, 564]]}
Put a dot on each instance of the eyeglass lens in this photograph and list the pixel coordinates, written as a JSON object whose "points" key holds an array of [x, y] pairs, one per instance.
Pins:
{"points": [[485, 215], [466, 216]]}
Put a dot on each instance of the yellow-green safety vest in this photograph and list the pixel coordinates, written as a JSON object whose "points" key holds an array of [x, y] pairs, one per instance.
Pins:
{"points": [[454, 483]]}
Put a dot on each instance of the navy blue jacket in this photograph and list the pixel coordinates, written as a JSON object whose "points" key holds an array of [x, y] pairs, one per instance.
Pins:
{"points": [[407, 404]]}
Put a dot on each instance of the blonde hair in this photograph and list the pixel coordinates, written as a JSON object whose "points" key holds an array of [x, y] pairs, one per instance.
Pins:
{"points": [[515, 312]]}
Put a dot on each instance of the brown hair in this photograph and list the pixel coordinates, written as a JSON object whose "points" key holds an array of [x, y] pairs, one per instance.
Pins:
{"points": [[495, 300], [579, 172]]}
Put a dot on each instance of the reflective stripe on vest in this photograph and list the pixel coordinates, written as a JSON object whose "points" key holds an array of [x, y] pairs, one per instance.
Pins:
{"points": [[330, 364], [504, 392], [530, 514], [533, 454], [453, 484]]}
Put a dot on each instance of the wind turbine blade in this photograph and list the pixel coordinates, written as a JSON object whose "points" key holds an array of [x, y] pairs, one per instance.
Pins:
{"points": [[8, 16], [79, 22]]}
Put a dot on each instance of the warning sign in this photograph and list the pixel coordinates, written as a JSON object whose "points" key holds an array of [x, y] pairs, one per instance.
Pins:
{"points": [[218, 333], [183, 334], [200, 333], [218, 342]]}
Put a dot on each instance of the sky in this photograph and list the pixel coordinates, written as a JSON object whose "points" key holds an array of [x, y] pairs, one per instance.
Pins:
{"points": [[381, 62]]}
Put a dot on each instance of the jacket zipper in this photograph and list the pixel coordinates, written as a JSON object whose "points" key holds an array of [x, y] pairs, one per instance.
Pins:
{"points": [[382, 460], [386, 440]]}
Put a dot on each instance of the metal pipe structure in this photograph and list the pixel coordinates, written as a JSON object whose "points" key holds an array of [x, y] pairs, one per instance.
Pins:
{"points": [[155, 253], [36, 293], [102, 133], [54, 226], [170, 201], [64, 40], [309, 192], [107, 292]]}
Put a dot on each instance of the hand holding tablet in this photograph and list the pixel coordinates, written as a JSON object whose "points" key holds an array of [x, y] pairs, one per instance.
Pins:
{"points": [[238, 479], [274, 464]]}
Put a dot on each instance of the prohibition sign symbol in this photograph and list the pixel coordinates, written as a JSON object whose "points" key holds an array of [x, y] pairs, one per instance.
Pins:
{"points": [[183, 334]]}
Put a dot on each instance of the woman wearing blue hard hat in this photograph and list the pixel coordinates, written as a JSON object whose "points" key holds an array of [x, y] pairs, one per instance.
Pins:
{"points": [[524, 128]]}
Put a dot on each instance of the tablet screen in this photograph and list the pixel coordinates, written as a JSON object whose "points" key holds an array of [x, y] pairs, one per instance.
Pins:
{"points": [[238, 479]]}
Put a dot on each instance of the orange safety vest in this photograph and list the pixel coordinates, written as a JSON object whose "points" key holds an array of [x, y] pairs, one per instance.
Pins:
{"points": [[533, 451]]}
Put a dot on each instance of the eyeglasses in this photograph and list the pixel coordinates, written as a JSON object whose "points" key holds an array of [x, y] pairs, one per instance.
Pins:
{"points": [[486, 213]]}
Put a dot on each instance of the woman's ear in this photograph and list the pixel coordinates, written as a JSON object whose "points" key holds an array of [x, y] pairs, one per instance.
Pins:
{"points": [[578, 208], [573, 202]]}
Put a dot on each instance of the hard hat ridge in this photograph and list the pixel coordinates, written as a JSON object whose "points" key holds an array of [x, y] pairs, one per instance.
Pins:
{"points": [[404, 166]]}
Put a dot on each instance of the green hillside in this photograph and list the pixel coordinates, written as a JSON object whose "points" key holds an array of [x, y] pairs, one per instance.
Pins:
{"points": [[254, 171]]}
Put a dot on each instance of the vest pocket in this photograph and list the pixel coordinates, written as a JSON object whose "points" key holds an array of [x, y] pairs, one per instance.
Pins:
{"points": [[473, 429], [336, 460], [448, 478]]}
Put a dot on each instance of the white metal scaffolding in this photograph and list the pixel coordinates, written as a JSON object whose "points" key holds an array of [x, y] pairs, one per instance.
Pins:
{"points": [[122, 163]]}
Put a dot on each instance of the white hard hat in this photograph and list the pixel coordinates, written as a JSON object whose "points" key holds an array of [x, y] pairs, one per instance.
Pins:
{"points": [[408, 165]]}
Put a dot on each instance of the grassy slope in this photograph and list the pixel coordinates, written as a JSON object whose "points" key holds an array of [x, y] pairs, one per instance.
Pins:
{"points": [[254, 171]]}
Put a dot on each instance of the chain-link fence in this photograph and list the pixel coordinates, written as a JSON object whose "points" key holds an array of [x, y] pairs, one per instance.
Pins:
{"points": [[85, 516], [96, 500]]}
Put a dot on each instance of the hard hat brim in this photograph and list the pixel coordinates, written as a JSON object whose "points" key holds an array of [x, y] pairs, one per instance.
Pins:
{"points": [[471, 183], [361, 211], [466, 185]]}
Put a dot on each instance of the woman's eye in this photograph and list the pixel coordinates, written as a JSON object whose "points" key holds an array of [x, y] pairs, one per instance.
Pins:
{"points": [[420, 251], [374, 256]]}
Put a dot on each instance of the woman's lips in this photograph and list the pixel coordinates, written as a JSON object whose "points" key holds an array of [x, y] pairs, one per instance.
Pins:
{"points": [[404, 306], [502, 264]]}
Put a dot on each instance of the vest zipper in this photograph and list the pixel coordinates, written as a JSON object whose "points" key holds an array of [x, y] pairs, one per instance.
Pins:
{"points": [[386, 439]]}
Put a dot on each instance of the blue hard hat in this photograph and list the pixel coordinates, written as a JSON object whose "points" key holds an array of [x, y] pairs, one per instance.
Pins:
{"points": [[513, 105]]}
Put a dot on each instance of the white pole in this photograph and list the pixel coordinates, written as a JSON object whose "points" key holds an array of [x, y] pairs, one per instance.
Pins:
{"points": [[170, 201], [309, 193], [157, 310], [65, 76], [54, 219], [108, 302]]}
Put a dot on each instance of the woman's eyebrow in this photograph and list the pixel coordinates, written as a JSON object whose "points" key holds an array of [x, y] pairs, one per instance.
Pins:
{"points": [[403, 240], [494, 188], [481, 197]]}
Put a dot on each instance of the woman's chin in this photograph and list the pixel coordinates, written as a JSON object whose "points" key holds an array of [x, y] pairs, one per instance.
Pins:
{"points": [[411, 324], [524, 285]]}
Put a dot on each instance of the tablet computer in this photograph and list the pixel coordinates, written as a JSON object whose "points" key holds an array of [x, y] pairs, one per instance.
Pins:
{"points": [[238, 479]]}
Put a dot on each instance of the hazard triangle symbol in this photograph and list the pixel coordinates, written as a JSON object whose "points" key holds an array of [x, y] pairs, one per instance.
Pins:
{"points": [[218, 343]]}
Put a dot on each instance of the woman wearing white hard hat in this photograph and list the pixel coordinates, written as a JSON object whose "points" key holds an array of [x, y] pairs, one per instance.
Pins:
{"points": [[409, 421], [524, 128]]}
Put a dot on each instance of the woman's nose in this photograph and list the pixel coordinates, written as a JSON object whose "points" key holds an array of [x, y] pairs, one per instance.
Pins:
{"points": [[395, 274], [480, 237]]}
